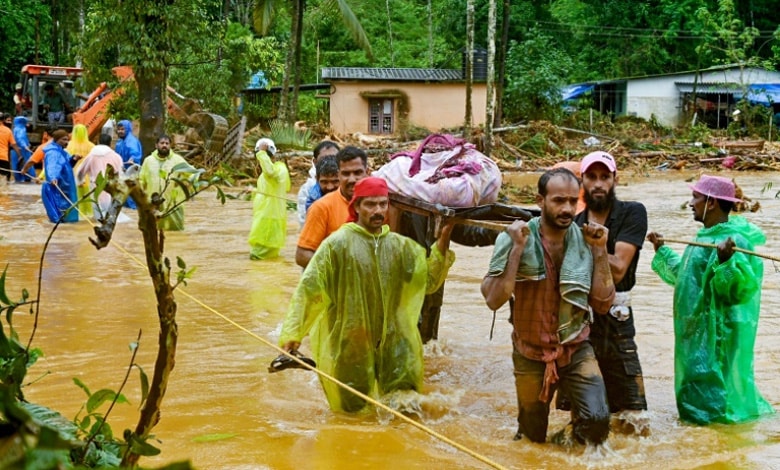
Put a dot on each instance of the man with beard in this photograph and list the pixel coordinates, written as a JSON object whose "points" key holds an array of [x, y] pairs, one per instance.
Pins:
{"points": [[156, 171], [559, 275], [331, 211], [717, 300], [612, 336], [359, 299]]}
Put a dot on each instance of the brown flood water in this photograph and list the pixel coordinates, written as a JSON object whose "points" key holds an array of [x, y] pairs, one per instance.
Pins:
{"points": [[223, 410]]}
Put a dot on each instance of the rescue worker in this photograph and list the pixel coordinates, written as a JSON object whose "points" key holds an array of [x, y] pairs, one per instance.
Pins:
{"points": [[269, 211], [359, 299], [717, 299]]}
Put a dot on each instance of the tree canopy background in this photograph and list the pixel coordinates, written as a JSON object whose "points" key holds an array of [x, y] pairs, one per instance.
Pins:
{"points": [[208, 49]]}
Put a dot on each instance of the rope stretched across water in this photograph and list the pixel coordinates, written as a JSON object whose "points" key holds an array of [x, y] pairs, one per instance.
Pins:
{"points": [[365, 397]]}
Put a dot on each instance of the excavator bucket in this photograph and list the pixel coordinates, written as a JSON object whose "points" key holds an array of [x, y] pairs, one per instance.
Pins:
{"points": [[212, 128]]}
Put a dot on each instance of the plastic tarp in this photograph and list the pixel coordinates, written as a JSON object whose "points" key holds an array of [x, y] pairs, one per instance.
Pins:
{"points": [[573, 91], [764, 93]]}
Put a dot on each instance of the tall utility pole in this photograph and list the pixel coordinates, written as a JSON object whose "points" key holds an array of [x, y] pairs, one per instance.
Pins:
{"points": [[467, 122], [491, 59]]}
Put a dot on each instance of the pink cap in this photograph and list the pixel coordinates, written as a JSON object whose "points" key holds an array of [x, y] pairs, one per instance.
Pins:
{"points": [[716, 187], [598, 157]]}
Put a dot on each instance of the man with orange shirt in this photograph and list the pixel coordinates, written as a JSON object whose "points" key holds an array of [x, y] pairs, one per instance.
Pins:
{"points": [[331, 211], [37, 155], [6, 141]]}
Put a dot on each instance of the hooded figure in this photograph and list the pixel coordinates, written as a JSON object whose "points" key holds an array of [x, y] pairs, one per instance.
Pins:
{"points": [[78, 148], [58, 192], [97, 160], [129, 148], [23, 142], [269, 213]]}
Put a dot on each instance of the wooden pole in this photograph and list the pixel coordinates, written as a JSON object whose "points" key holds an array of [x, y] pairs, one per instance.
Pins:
{"points": [[712, 245]]}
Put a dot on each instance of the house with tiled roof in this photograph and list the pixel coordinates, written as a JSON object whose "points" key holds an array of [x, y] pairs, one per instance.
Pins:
{"points": [[389, 100]]}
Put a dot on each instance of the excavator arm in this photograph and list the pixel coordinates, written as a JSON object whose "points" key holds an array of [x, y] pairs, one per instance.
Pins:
{"points": [[94, 113]]}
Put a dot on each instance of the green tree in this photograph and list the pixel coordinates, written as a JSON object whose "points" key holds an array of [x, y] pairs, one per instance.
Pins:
{"points": [[536, 70], [264, 13], [25, 26], [215, 84], [149, 35]]}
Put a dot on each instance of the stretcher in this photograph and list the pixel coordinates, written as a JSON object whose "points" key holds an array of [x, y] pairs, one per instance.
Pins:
{"points": [[494, 216]]}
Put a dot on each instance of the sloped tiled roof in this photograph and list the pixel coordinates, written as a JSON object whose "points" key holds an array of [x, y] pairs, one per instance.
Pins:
{"points": [[394, 74]]}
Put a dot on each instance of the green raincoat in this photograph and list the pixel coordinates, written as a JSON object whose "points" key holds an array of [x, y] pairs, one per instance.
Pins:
{"points": [[359, 300], [154, 172], [716, 308], [269, 215]]}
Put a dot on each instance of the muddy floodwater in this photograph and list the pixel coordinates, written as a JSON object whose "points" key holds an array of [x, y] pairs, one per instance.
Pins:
{"points": [[223, 410]]}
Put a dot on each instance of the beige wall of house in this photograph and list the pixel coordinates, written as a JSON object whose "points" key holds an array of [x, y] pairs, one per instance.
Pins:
{"points": [[431, 105]]}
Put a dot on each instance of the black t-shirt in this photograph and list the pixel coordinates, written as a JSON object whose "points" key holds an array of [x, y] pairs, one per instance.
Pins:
{"points": [[627, 222]]}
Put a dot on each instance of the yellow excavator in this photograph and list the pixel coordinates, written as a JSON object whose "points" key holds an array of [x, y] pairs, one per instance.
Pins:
{"points": [[218, 137]]}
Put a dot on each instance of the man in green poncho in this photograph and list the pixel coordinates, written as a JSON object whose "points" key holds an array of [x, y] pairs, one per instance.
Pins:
{"points": [[155, 177], [359, 300], [717, 294]]}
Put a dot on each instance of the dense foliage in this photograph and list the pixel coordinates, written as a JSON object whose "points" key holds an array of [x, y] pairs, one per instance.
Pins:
{"points": [[208, 50]]}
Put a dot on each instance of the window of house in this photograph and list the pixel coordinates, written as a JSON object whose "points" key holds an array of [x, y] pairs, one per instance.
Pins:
{"points": [[380, 116]]}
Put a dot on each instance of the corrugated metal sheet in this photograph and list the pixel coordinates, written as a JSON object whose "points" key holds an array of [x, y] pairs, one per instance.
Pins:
{"points": [[708, 87], [394, 74]]}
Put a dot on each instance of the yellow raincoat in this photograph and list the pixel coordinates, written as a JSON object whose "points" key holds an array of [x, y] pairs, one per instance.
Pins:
{"points": [[359, 300], [80, 145], [269, 214], [154, 172]]}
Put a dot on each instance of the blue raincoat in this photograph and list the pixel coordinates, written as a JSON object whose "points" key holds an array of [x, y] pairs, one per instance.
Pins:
{"points": [[23, 142], [716, 308], [130, 150], [58, 199]]}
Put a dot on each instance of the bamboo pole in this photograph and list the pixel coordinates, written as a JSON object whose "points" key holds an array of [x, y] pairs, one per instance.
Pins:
{"points": [[487, 224], [712, 245]]}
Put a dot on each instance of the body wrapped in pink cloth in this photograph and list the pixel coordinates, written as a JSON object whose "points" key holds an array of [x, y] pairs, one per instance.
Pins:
{"points": [[444, 170]]}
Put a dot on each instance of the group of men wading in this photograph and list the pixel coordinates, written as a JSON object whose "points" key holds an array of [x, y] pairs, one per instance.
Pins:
{"points": [[568, 275]]}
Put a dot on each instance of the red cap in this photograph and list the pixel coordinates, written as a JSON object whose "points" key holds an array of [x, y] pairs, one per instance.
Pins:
{"points": [[367, 187]]}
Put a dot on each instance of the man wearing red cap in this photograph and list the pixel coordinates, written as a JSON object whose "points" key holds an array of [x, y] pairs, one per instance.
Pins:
{"points": [[612, 336], [717, 299], [359, 299]]}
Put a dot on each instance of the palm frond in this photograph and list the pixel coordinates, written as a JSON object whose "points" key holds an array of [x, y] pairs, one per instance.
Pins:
{"points": [[353, 25], [288, 136], [263, 14]]}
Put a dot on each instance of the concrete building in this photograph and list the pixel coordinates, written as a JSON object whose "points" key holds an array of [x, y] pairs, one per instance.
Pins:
{"points": [[667, 97], [388, 100]]}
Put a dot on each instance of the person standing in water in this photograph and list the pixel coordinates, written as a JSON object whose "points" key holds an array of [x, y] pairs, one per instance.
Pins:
{"points": [[559, 275], [717, 300], [269, 211], [359, 299]]}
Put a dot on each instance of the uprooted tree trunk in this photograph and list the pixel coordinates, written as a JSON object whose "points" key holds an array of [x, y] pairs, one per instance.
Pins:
{"points": [[160, 272]]}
